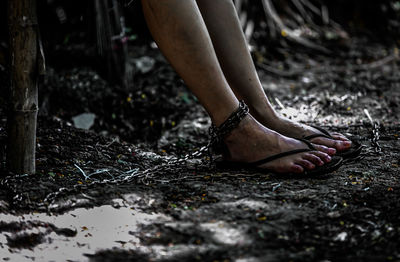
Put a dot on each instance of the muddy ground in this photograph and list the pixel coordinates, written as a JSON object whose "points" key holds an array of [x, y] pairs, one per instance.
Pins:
{"points": [[92, 198]]}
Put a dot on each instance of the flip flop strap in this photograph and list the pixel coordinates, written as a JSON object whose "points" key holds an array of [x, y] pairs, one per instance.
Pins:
{"points": [[288, 153], [316, 135], [308, 143], [324, 134], [280, 155]]}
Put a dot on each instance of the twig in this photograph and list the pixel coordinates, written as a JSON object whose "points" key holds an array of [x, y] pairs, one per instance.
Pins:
{"points": [[83, 172], [323, 69], [279, 103], [380, 62], [99, 172], [130, 2], [298, 18], [302, 11], [88, 197], [278, 72], [248, 32], [312, 7], [110, 143], [131, 172], [270, 10], [369, 116], [325, 14], [238, 6]]}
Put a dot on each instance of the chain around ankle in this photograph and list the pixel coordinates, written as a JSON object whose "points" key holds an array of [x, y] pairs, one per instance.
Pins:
{"points": [[217, 134]]}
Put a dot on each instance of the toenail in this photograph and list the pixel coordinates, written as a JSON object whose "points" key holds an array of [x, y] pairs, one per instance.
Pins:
{"points": [[347, 143]]}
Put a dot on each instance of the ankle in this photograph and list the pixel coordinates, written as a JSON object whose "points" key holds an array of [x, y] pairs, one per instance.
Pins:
{"points": [[265, 114], [220, 133], [244, 129], [240, 138], [220, 116]]}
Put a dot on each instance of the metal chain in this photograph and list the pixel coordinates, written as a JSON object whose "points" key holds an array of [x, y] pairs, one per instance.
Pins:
{"points": [[375, 148], [218, 133], [375, 138], [12, 182], [144, 176]]}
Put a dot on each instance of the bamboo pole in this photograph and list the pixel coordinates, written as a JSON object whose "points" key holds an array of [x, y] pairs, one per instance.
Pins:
{"points": [[23, 99]]}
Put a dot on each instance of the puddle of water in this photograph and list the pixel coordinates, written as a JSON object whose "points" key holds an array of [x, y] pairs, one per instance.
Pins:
{"points": [[224, 234], [249, 203], [103, 227]]}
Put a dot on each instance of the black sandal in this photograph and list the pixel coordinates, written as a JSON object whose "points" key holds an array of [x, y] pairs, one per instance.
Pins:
{"points": [[353, 152], [218, 146]]}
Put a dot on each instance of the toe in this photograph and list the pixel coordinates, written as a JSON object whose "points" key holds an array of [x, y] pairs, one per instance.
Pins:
{"points": [[305, 163], [324, 141], [337, 144], [323, 156], [314, 159], [328, 150], [341, 145], [297, 169], [339, 136]]}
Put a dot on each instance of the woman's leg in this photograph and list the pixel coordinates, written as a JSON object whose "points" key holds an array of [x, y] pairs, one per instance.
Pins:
{"points": [[179, 30], [234, 57]]}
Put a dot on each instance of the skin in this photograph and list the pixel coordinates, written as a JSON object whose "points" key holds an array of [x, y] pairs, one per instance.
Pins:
{"points": [[181, 34], [234, 57]]}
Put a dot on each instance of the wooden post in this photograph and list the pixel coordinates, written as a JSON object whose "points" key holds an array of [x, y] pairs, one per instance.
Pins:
{"points": [[23, 99]]}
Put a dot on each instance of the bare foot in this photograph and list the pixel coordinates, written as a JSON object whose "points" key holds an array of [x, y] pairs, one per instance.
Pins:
{"points": [[294, 129], [251, 141]]}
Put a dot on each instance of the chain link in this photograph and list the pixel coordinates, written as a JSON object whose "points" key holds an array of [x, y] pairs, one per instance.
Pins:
{"points": [[218, 133], [375, 148], [14, 183], [145, 176], [375, 138]]}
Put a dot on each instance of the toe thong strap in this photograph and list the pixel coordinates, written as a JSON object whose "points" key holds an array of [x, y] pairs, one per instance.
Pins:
{"points": [[308, 143], [280, 155], [315, 136], [324, 134], [323, 131], [288, 153]]}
